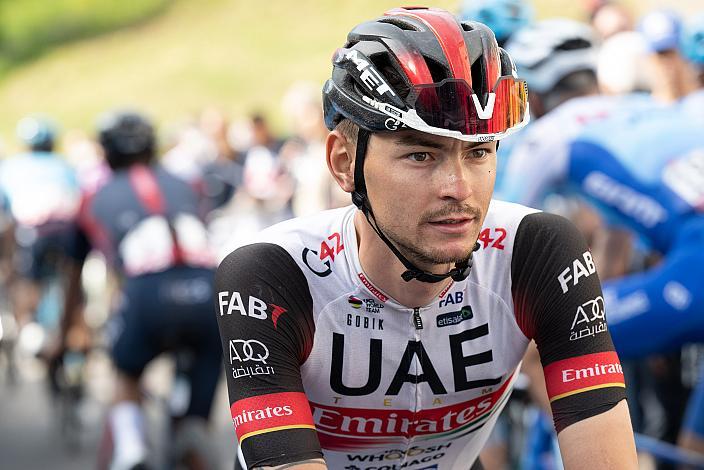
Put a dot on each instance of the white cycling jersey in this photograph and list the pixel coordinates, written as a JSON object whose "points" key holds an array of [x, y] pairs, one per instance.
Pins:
{"points": [[320, 361]]}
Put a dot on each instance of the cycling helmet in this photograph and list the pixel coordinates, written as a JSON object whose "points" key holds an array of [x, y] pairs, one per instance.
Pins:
{"points": [[421, 68], [405, 69], [503, 17], [692, 40], [661, 30], [36, 133], [550, 50], [126, 137]]}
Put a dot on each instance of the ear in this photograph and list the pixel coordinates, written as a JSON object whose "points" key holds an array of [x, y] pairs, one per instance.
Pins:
{"points": [[340, 159]]}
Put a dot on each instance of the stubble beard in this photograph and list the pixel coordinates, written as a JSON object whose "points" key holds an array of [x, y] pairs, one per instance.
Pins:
{"points": [[419, 254]]}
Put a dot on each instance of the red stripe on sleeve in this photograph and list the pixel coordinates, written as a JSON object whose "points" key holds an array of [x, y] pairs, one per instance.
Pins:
{"points": [[273, 412], [581, 374]]}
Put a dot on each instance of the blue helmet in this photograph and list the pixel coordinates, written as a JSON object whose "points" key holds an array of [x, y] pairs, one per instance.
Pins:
{"points": [[504, 17], [36, 133], [661, 30], [692, 40]]}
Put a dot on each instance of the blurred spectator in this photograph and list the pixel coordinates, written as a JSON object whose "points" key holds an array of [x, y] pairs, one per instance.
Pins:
{"points": [[672, 75], [261, 201], [262, 135], [204, 157], [192, 151], [86, 156], [610, 18], [622, 64], [304, 153]]}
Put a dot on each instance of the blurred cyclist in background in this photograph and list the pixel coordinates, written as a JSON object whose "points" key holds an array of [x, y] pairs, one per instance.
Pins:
{"points": [[503, 17], [640, 165], [42, 196], [558, 59], [146, 223], [672, 77]]}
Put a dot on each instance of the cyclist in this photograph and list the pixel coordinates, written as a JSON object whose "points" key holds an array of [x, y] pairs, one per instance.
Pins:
{"points": [[145, 222], [671, 75], [561, 64], [643, 186], [350, 339], [557, 58], [42, 195]]}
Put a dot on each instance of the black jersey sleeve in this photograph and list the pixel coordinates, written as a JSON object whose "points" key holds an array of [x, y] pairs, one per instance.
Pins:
{"points": [[265, 315], [558, 303]]}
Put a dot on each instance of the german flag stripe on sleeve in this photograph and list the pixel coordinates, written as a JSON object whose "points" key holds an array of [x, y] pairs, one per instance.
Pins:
{"points": [[268, 413], [581, 374]]}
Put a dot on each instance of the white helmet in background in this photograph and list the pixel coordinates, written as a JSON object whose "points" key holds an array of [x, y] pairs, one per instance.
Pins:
{"points": [[622, 64], [550, 50]]}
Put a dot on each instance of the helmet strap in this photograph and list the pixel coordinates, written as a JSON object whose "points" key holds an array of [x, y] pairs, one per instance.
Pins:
{"points": [[359, 197]]}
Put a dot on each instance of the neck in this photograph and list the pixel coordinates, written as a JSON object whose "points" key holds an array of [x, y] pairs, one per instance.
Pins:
{"points": [[384, 270]]}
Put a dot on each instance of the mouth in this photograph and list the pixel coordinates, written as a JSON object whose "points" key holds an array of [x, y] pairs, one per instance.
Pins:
{"points": [[452, 224]]}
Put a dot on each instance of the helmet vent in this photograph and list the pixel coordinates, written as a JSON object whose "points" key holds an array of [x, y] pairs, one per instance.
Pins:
{"points": [[390, 71], [399, 23], [437, 71]]}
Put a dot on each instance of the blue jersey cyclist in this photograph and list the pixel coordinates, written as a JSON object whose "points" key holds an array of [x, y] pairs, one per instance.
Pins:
{"points": [[642, 168], [393, 330], [41, 196], [146, 223]]}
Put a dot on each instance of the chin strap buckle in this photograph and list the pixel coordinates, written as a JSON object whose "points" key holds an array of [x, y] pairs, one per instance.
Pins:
{"points": [[409, 275]]}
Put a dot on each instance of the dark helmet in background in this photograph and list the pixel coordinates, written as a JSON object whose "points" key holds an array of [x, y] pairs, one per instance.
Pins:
{"points": [[127, 137]]}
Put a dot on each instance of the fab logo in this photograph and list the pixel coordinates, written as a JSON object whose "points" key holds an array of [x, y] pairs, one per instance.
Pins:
{"points": [[453, 298]]}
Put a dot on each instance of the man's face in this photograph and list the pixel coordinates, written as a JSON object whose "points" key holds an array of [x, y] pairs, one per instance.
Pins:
{"points": [[429, 194]]}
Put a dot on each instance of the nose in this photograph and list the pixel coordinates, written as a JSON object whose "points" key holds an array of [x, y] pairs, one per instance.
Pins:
{"points": [[454, 180]]}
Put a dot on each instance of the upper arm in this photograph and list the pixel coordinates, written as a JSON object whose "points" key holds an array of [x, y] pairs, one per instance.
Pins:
{"points": [[264, 311], [559, 303], [602, 441]]}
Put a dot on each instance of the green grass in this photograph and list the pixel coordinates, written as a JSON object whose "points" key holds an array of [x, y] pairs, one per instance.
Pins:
{"points": [[29, 28], [239, 55]]}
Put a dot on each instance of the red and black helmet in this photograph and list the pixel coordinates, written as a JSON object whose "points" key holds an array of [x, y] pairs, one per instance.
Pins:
{"points": [[422, 68]]}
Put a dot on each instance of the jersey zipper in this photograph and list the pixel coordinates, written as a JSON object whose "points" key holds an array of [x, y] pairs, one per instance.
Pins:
{"points": [[417, 320], [417, 395]]}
